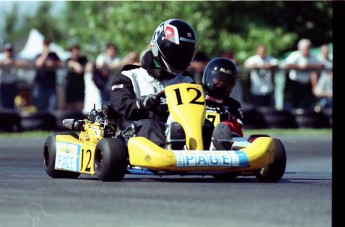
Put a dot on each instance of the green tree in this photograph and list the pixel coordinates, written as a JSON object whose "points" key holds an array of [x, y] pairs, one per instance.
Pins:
{"points": [[230, 26], [44, 21], [17, 26], [12, 30], [220, 26]]}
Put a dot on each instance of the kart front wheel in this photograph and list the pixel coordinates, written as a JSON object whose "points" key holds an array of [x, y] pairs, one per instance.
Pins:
{"points": [[275, 171], [110, 159], [49, 154]]}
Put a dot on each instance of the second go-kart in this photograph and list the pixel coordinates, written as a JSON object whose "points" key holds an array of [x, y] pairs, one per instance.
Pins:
{"points": [[100, 148]]}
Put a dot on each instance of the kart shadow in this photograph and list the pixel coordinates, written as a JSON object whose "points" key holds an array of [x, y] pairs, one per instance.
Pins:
{"points": [[180, 179], [183, 179], [213, 180], [290, 178]]}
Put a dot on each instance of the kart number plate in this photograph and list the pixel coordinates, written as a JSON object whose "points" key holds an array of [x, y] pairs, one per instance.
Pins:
{"points": [[210, 158], [67, 156]]}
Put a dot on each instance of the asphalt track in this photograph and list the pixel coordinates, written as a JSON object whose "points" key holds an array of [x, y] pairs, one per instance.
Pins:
{"points": [[29, 197]]}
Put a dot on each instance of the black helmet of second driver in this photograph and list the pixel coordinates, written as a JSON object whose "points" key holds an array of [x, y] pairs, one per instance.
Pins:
{"points": [[173, 45], [219, 78]]}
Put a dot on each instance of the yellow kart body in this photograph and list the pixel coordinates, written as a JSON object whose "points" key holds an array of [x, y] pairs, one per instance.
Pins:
{"points": [[111, 158], [190, 113]]}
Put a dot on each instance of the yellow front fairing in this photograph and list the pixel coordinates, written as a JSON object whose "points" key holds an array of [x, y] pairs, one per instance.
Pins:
{"points": [[186, 104], [144, 153]]}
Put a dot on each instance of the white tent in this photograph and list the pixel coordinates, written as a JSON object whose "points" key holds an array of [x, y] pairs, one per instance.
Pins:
{"points": [[34, 45]]}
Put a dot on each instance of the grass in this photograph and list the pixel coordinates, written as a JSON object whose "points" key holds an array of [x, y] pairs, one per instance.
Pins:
{"points": [[302, 131], [247, 132], [27, 134]]}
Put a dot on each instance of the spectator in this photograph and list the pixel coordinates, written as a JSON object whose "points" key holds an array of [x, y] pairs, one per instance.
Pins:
{"points": [[325, 59], [8, 77], [92, 97], [109, 63], [143, 52], [302, 68], [325, 56], [197, 66], [75, 85], [261, 74], [323, 89], [44, 87]]}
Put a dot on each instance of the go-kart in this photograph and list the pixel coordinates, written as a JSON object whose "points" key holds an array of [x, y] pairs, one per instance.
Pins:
{"points": [[102, 149]]}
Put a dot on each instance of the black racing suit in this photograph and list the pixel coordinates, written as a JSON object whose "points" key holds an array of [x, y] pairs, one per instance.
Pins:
{"points": [[230, 111], [229, 105], [135, 81]]}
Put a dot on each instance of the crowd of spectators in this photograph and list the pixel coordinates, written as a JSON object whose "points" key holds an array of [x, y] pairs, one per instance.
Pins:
{"points": [[308, 78]]}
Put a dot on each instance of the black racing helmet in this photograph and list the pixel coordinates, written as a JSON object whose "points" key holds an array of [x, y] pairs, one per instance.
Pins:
{"points": [[219, 78], [173, 45]]}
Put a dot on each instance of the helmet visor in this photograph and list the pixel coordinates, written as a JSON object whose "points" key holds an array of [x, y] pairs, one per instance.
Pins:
{"points": [[219, 85], [178, 57]]}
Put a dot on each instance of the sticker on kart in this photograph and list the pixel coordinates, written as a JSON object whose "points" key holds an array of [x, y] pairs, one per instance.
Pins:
{"points": [[67, 156], [185, 158]]}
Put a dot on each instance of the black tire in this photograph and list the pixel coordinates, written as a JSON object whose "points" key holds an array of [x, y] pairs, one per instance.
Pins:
{"points": [[225, 176], [278, 118], [275, 171], [306, 118], [254, 119], [41, 120], [329, 114], [10, 121], [110, 161], [49, 154]]}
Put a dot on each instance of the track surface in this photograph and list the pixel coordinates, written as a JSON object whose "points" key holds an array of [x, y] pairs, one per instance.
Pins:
{"points": [[29, 197]]}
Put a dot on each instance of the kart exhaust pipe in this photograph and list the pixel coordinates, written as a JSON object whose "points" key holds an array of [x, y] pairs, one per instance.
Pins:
{"points": [[68, 123], [73, 124]]}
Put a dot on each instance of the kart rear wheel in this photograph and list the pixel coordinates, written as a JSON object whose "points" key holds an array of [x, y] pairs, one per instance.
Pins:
{"points": [[49, 154], [110, 159], [275, 171]]}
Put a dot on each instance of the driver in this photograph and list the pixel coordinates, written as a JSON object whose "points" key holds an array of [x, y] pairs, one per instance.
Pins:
{"points": [[133, 98], [219, 79]]}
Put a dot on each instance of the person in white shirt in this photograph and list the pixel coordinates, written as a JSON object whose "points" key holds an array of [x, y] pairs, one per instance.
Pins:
{"points": [[261, 72], [324, 89], [302, 67], [109, 63], [9, 64], [325, 57]]}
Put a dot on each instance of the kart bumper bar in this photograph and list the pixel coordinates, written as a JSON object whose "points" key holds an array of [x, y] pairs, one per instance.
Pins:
{"points": [[144, 153]]}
